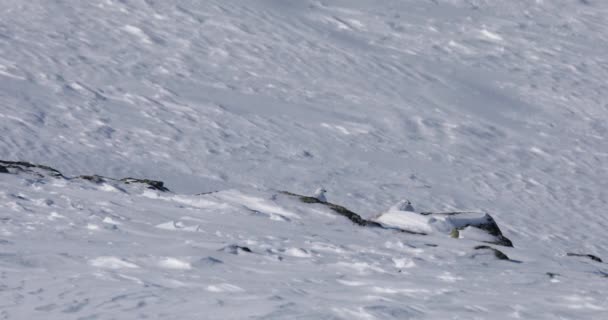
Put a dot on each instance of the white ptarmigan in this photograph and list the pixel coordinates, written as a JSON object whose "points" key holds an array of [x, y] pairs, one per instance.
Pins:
{"points": [[320, 194], [404, 205]]}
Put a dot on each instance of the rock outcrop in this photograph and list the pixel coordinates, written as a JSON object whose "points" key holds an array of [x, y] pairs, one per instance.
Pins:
{"points": [[469, 225], [41, 171], [152, 184], [350, 215], [590, 256], [497, 253]]}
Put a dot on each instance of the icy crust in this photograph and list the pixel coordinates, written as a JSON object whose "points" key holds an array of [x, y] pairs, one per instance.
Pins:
{"points": [[470, 225]]}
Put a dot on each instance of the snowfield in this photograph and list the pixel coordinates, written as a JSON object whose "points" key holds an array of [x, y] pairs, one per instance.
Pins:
{"points": [[74, 248], [239, 107]]}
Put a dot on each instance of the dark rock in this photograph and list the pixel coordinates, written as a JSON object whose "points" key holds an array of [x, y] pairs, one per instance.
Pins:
{"points": [[306, 199], [497, 253], [590, 256], [152, 184], [94, 178], [355, 218], [350, 215], [235, 249], [111, 227], [552, 275], [26, 167], [206, 193], [492, 228], [486, 223], [42, 171]]}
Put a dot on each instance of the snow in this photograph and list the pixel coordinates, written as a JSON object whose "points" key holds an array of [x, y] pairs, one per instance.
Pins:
{"points": [[487, 106], [258, 267], [173, 263], [112, 263], [475, 234], [406, 220], [224, 287]]}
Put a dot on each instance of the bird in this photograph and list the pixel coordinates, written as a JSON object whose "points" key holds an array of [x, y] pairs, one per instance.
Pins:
{"points": [[404, 205], [320, 194]]}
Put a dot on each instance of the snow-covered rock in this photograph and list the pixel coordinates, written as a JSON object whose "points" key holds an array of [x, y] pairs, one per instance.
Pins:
{"points": [[469, 225], [17, 167], [41, 171], [407, 220]]}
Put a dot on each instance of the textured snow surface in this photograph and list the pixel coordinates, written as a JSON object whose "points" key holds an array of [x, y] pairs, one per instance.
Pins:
{"points": [[490, 106], [77, 250]]}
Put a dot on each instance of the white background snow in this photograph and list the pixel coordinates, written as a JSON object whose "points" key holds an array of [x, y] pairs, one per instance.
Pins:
{"points": [[495, 106]]}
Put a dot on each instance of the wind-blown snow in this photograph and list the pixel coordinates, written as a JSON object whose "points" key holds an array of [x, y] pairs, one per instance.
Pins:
{"points": [[490, 106], [231, 262]]}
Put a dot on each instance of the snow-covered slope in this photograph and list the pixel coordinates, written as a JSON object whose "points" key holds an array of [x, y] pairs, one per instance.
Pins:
{"points": [[80, 249], [488, 106]]}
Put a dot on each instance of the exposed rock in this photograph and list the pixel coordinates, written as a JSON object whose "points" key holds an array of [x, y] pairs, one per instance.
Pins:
{"points": [[93, 178], [26, 167], [235, 249], [152, 184], [206, 193], [590, 256], [483, 221], [42, 171], [352, 216], [497, 253], [477, 226]]}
